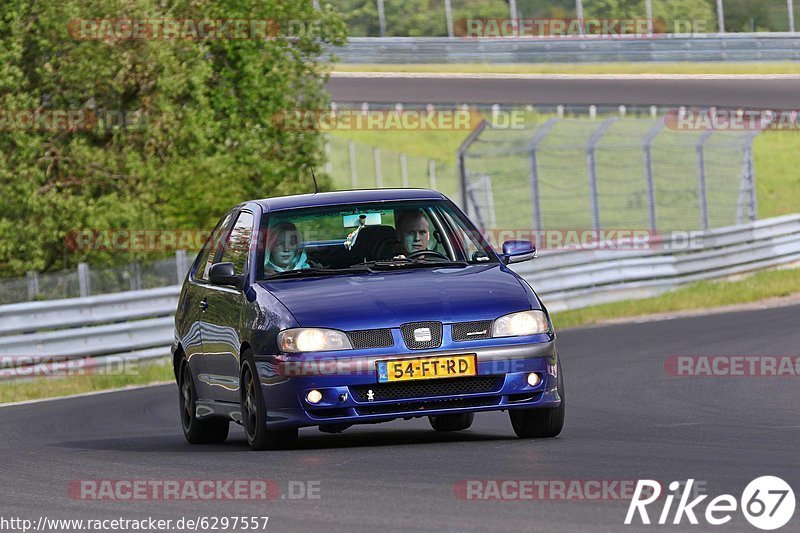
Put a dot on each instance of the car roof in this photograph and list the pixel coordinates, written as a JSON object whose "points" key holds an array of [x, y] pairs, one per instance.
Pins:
{"points": [[323, 199]]}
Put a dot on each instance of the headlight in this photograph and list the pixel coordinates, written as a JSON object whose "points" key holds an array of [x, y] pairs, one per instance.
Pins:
{"points": [[312, 340], [523, 323]]}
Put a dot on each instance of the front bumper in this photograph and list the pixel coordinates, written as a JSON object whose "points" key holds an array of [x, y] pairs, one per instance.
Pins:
{"points": [[351, 393]]}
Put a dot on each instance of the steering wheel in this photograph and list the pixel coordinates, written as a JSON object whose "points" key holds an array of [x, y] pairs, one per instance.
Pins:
{"points": [[422, 253]]}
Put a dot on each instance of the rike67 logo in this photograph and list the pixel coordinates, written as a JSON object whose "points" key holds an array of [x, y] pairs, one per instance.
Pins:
{"points": [[767, 503]]}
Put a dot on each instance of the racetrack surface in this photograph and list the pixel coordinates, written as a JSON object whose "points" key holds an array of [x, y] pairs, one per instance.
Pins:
{"points": [[732, 91], [627, 419]]}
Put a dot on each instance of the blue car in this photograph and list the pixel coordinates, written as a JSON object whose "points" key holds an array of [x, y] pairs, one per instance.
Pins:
{"points": [[357, 307]]}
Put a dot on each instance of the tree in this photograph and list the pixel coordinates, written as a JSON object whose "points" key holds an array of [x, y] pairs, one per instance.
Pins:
{"points": [[204, 134]]}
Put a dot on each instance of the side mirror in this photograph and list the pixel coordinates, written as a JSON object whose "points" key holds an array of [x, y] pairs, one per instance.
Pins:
{"points": [[517, 251], [225, 274]]}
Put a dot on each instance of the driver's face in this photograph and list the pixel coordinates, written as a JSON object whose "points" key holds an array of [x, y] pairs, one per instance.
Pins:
{"points": [[285, 248], [414, 235]]}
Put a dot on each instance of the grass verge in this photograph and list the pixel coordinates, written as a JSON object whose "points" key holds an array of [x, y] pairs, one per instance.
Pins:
{"points": [[701, 295], [778, 67], [50, 387]]}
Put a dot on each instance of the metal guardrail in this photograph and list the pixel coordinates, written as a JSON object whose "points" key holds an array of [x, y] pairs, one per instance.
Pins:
{"points": [[779, 46], [138, 325]]}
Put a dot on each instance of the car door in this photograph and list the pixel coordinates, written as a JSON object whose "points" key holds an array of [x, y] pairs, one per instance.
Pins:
{"points": [[190, 313], [222, 313]]}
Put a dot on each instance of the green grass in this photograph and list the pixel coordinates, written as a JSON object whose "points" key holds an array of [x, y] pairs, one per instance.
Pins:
{"points": [[701, 295], [778, 67], [39, 388]]}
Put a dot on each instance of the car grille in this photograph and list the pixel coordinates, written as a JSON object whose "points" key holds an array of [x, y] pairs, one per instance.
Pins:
{"points": [[467, 331], [402, 407], [427, 388], [408, 335], [371, 338]]}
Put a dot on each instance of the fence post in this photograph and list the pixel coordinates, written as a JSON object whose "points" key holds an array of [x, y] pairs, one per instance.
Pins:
{"points": [[136, 279], [328, 162], [533, 169], [461, 162], [351, 147], [592, 163], [432, 173], [404, 169], [751, 177], [701, 179], [648, 172], [720, 17], [33, 284], [381, 18], [376, 156], [448, 15], [181, 264], [790, 9], [84, 282]]}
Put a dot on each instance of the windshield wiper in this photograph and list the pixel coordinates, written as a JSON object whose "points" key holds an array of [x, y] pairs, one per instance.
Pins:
{"points": [[411, 263], [311, 272]]}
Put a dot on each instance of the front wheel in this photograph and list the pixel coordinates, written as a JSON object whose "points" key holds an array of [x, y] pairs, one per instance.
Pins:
{"points": [[451, 422], [540, 423], [254, 413], [196, 431]]}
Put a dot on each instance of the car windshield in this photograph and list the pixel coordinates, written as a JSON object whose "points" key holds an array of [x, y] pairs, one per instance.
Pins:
{"points": [[362, 237]]}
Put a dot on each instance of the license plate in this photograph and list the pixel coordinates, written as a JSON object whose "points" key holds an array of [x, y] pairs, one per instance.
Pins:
{"points": [[445, 366]]}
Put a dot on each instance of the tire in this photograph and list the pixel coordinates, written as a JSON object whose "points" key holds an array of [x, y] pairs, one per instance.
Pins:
{"points": [[254, 413], [451, 422], [540, 423], [196, 431]]}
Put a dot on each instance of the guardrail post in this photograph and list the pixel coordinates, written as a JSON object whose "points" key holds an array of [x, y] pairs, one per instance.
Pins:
{"points": [[33, 284], [648, 172], [591, 148], [432, 173], [533, 169], [701, 179], [376, 155], [351, 148], [404, 169], [462, 164], [181, 264], [84, 283]]}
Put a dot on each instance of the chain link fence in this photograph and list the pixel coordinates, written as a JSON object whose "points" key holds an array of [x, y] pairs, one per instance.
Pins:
{"points": [[614, 173], [86, 280]]}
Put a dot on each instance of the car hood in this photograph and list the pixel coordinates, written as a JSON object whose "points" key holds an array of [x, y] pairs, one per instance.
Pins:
{"points": [[389, 299]]}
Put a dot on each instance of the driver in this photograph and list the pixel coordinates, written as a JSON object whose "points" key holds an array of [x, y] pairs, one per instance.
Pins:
{"points": [[412, 230], [283, 251]]}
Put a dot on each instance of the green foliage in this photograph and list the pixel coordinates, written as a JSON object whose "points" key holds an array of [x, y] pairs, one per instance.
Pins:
{"points": [[207, 138]]}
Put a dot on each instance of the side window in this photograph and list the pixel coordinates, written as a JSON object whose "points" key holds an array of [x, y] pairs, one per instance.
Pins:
{"points": [[237, 247], [209, 251]]}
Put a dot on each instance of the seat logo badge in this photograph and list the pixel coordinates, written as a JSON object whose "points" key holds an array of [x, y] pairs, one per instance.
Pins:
{"points": [[370, 395], [422, 334]]}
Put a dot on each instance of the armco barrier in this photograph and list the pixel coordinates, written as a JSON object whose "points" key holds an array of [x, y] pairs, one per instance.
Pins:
{"points": [[139, 324], [661, 47]]}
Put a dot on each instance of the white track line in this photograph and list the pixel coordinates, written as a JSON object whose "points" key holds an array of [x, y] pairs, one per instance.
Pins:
{"points": [[85, 394], [576, 77]]}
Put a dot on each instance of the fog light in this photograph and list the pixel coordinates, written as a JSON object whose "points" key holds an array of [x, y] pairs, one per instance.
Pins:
{"points": [[314, 396], [533, 379]]}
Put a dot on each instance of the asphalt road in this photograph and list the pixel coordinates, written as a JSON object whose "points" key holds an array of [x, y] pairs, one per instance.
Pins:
{"points": [[626, 419], [747, 93]]}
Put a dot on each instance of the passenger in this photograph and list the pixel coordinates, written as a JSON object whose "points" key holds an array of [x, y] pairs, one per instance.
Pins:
{"points": [[283, 251], [412, 230]]}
